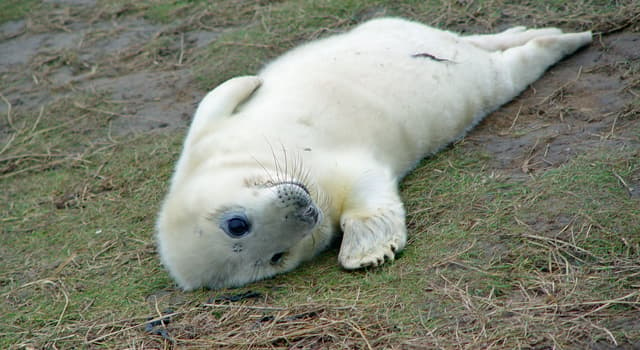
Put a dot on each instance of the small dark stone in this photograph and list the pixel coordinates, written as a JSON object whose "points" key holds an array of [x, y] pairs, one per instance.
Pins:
{"points": [[235, 297], [267, 318], [158, 326]]}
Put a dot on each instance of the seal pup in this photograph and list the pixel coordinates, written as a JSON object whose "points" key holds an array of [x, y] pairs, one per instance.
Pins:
{"points": [[276, 166]]}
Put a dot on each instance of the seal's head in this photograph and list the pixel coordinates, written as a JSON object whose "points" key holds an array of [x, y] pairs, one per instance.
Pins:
{"points": [[224, 229]]}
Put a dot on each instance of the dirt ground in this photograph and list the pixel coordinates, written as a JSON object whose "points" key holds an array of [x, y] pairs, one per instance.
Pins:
{"points": [[55, 64], [585, 103], [592, 94]]}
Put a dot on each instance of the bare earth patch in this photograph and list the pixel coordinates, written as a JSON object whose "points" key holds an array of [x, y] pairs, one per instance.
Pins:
{"points": [[584, 102], [86, 55]]}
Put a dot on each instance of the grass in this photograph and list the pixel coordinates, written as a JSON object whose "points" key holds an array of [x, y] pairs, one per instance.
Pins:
{"points": [[497, 258], [15, 9]]}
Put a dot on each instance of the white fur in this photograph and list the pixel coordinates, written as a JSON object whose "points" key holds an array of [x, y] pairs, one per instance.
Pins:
{"points": [[346, 117]]}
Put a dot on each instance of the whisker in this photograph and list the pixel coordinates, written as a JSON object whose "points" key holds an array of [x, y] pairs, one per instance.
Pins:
{"points": [[286, 164], [266, 171], [275, 161], [290, 168]]}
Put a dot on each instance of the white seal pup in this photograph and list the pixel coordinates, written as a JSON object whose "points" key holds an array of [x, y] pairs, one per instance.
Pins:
{"points": [[275, 166]]}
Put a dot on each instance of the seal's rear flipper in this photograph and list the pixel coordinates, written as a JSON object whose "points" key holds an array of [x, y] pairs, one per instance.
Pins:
{"points": [[512, 37], [522, 65]]}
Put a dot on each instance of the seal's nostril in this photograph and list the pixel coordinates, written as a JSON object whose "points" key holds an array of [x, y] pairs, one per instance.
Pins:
{"points": [[311, 212], [308, 212]]}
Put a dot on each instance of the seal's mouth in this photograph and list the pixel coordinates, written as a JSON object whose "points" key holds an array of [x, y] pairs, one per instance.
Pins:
{"points": [[277, 258]]}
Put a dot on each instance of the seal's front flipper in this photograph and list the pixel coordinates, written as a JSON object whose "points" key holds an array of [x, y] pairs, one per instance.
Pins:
{"points": [[219, 103], [373, 222]]}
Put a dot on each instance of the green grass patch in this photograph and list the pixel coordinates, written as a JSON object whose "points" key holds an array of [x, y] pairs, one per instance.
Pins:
{"points": [[11, 10], [166, 11], [79, 263]]}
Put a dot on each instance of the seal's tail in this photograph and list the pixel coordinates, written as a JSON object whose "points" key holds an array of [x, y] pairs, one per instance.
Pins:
{"points": [[537, 51]]}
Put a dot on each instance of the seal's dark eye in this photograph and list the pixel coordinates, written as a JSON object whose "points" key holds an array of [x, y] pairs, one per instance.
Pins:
{"points": [[236, 226]]}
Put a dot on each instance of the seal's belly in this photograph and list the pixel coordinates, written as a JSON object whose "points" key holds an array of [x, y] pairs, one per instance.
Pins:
{"points": [[412, 89]]}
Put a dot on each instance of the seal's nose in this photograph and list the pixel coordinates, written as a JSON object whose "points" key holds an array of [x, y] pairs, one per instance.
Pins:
{"points": [[312, 213]]}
